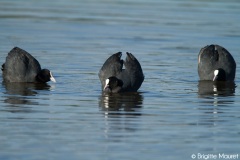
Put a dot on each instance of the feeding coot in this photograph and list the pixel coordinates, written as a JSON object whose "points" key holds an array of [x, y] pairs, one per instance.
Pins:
{"points": [[20, 66], [215, 63], [115, 79]]}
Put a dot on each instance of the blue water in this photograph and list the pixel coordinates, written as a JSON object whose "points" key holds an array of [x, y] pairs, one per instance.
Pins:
{"points": [[173, 116]]}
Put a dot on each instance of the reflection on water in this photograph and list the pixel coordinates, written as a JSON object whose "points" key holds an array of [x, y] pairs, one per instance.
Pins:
{"points": [[208, 88], [123, 101], [215, 91], [121, 112], [215, 105], [16, 93]]}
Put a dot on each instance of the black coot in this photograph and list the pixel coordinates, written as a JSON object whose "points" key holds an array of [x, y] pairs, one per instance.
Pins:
{"points": [[20, 66], [215, 63], [115, 79]]}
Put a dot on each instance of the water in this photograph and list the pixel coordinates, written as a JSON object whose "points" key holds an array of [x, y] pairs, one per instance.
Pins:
{"points": [[173, 116]]}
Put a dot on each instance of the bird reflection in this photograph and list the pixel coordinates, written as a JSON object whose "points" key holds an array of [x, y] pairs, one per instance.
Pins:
{"points": [[16, 92], [208, 88], [216, 97], [213, 91], [121, 112], [128, 102]]}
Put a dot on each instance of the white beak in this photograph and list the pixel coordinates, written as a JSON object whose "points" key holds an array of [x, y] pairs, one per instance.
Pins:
{"points": [[215, 75], [52, 78], [106, 84]]}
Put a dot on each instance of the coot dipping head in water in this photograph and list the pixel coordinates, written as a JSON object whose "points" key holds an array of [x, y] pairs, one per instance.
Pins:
{"points": [[215, 63], [20, 66], [115, 79]]}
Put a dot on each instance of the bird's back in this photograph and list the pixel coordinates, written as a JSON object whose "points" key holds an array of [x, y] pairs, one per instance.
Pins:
{"points": [[212, 58], [134, 74], [20, 66], [131, 77], [111, 67]]}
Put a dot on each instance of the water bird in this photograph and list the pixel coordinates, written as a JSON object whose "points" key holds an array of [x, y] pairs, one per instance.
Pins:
{"points": [[215, 63], [20, 66], [115, 79]]}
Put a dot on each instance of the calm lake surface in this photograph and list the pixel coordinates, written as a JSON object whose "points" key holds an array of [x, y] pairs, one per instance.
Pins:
{"points": [[173, 116]]}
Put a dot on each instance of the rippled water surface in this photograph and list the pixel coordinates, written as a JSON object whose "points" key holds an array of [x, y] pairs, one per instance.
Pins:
{"points": [[173, 116]]}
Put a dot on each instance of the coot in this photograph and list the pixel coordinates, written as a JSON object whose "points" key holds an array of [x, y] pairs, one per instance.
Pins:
{"points": [[20, 66], [115, 79], [215, 63]]}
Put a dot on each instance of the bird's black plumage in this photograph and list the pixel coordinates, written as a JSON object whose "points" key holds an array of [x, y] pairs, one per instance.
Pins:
{"points": [[215, 57], [129, 79], [20, 66]]}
